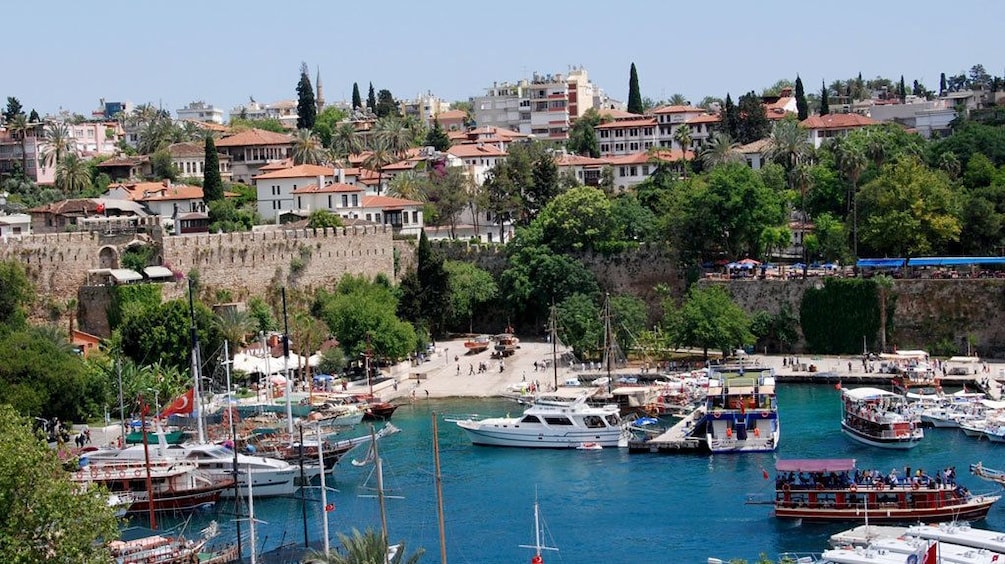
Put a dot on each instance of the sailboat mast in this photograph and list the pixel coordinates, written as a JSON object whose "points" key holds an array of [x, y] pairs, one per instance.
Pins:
{"points": [[554, 342], [608, 341], [196, 376], [439, 491], [380, 491], [122, 406], [324, 493], [286, 369], [146, 459], [233, 439], [251, 515], [366, 365]]}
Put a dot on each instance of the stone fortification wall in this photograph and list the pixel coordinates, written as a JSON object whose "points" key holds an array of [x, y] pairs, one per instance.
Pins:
{"points": [[936, 315], [56, 263], [246, 263]]}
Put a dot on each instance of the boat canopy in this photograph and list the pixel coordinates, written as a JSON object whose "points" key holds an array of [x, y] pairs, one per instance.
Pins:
{"points": [[991, 404], [816, 465], [867, 393], [965, 359]]}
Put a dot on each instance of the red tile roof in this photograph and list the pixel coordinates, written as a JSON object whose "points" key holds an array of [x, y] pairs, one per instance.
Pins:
{"points": [[190, 149], [276, 165], [469, 150], [451, 115], [618, 114], [704, 118], [327, 189], [837, 121], [124, 161], [401, 165], [643, 122], [298, 171], [644, 157], [388, 202], [255, 137], [158, 191], [577, 160]]}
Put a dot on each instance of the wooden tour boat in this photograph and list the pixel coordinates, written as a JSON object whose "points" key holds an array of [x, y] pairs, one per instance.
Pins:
{"points": [[832, 491]]}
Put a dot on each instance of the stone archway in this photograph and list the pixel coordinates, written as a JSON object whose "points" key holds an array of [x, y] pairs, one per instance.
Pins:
{"points": [[108, 257]]}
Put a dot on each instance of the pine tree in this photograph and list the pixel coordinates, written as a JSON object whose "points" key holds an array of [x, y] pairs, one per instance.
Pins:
{"points": [[825, 106], [33, 117], [942, 84], [357, 102], [752, 120], [307, 108], [802, 107], [731, 120], [902, 90], [634, 94], [212, 185], [437, 138], [371, 100]]}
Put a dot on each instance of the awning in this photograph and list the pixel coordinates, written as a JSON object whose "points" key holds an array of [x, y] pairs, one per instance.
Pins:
{"points": [[820, 465], [122, 275], [158, 272], [860, 394], [881, 263], [954, 261]]}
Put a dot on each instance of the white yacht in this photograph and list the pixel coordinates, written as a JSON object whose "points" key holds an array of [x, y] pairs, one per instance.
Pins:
{"points": [[879, 418], [270, 477], [549, 422]]}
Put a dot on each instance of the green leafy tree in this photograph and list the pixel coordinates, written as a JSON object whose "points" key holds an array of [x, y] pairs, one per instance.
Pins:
{"points": [[578, 220], [437, 138], [580, 326], [709, 319], [752, 121], [633, 221], [322, 219], [909, 210], [731, 118], [270, 124], [738, 207], [537, 276], [802, 108], [634, 93], [426, 300], [16, 294], [161, 166], [227, 216], [261, 315], [307, 106], [825, 107], [359, 308], [326, 123], [345, 141], [58, 142], [629, 316], [971, 139], [583, 136], [386, 104], [307, 148], [45, 517], [448, 195], [829, 240], [212, 184], [357, 101], [371, 100], [162, 333], [470, 289], [363, 548]]}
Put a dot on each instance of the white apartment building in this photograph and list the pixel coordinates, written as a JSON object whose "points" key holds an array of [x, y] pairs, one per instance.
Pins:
{"points": [[670, 118], [425, 107], [284, 110], [200, 111], [625, 137]]}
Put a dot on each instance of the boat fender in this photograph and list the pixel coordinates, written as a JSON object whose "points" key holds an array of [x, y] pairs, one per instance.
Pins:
{"points": [[853, 488]]}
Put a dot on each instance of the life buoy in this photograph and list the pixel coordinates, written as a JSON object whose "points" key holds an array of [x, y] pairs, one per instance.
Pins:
{"points": [[853, 488], [879, 485], [122, 473], [915, 486], [786, 487], [765, 414], [717, 413], [138, 473], [94, 472], [820, 486]]}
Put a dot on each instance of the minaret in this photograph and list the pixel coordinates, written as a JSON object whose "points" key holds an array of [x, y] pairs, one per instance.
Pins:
{"points": [[320, 98]]}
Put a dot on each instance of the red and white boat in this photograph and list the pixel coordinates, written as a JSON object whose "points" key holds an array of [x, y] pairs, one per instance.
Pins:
{"points": [[830, 490], [176, 486]]}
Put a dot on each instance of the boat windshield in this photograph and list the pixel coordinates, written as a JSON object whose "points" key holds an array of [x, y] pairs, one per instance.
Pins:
{"points": [[553, 420]]}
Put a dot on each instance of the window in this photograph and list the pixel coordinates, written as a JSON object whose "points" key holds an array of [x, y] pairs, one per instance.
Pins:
{"points": [[621, 171], [355, 200], [415, 217], [553, 420], [645, 170], [404, 218], [368, 217], [345, 200], [300, 203], [634, 171], [329, 201]]}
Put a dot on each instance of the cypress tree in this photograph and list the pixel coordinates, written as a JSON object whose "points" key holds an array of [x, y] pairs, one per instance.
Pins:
{"points": [[634, 94], [802, 107], [33, 117], [731, 119], [307, 108], [902, 90], [942, 84], [371, 100], [212, 185], [825, 106], [437, 138], [357, 102]]}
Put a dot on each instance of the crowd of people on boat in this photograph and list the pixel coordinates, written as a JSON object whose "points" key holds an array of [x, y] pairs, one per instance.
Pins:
{"points": [[945, 478]]}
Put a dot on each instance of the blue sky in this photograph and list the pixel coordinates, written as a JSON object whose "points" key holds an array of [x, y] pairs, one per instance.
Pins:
{"points": [[68, 54]]}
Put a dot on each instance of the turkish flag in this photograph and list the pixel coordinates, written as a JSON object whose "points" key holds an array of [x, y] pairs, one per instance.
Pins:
{"points": [[330, 507], [931, 555], [183, 405]]}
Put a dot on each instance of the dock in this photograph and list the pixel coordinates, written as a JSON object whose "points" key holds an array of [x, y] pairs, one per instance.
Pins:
{"points": [[674, 439]]}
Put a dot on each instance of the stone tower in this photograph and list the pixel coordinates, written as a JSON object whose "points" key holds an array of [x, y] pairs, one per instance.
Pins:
{"points": [[320, 98]]}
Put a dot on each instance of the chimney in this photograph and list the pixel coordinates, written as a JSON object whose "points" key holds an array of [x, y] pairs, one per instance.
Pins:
{"points": [[340, 175], [321, 181], [166, 182]]}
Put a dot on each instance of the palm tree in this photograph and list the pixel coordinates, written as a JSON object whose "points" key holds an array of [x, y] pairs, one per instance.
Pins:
{"points": [[407, 185], [380, 157], [307, 148], [682, 135], [394, 135], [788, 144], [58, 143], [677, 99], [346, 140], [720, 149], [363, 548], [235, 326], [801, 179], [73, 176], [853, 162], [19, 128], [884, 284]]}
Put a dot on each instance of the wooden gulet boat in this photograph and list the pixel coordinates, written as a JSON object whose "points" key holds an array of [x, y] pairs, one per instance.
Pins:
{"points": [[832, 491]]}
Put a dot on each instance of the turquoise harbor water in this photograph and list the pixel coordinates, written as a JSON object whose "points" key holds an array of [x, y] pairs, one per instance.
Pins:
{"points": [[596, 506]]}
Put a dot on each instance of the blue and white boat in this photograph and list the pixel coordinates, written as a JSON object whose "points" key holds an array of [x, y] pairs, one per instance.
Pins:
{"points": [[741, 410]]}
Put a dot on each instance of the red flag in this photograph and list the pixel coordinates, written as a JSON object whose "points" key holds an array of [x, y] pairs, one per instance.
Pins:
{"points": [[182, 405], [931, 555], [838, 385], [330, 507]]}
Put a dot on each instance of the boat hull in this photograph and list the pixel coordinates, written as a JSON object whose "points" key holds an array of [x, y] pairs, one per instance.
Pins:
{"points": [[176, 501], [974, 511], [895, 443], [505, 435]]}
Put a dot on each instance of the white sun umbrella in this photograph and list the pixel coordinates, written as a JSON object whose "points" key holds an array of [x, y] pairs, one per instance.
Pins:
{"points": [[314, 360], [249, 364]]}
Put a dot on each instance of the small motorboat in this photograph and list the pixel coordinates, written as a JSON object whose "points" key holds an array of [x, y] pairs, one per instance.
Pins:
{"points": [[590, 446]]}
